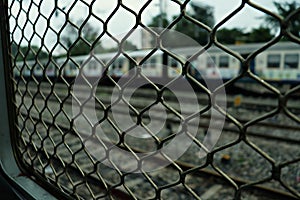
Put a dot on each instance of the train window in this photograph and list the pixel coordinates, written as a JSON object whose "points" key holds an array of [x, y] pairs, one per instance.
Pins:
{"points": [[211, 61], [153, 62], [72, 66], [224, 61], [291, 61], [174, 63], [92, 65], [114, 65], [38, 67], [95, 65], [120, 64], [273, 61], [50, 67]]}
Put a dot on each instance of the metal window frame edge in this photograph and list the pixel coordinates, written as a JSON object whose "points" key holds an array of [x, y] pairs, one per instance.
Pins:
{"points": [[22, 185]]}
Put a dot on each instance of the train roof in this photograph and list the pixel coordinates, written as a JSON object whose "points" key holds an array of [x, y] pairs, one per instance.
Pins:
{"points": [[188, 51], [248, 48], [240, 48]]}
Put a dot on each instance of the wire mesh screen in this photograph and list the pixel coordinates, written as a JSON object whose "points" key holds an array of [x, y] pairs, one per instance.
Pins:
{"points": [[99, 115]]}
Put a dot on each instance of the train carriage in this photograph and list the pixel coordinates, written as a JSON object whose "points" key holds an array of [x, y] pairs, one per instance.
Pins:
{"points": [[91, 67], [51, 69], [22, 68], [150, 67], [117, 67], [278, 63], [38, 68], [70, 67]]}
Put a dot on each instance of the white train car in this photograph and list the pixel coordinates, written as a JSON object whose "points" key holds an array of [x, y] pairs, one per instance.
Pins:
{"points": [[34, 68], [120, 65], [150, 67], [210, 64], [26, 68], [174, 67], [116, 65], [69, 67], [37, 68], [23, 68], [279, 63], [51, 69], [225, 66], [91, 67]]}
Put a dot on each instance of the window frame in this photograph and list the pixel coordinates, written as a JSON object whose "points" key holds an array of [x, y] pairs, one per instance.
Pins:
{"points": [[220, 59], [11, 170], [286, 66], [272, 66]]}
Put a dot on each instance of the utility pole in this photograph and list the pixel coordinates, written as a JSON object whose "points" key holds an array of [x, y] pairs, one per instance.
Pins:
{"points": [[162, 12]]}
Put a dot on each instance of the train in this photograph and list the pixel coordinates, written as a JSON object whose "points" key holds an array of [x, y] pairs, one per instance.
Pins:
{"points": [[279, 63]]}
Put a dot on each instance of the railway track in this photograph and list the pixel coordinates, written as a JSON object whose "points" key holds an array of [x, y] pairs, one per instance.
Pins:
{"points": [[247, 102], [204, 122], [126, 189], [65, 126]]}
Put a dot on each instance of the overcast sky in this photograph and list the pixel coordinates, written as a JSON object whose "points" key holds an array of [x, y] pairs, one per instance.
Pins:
{"points": [[123, 20]]}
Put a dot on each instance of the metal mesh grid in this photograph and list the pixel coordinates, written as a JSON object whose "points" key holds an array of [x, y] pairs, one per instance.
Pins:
{"points": [[49, 146]]}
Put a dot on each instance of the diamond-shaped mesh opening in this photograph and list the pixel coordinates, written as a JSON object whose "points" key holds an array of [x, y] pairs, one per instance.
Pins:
{"points": [[206, 189], [225, 36], [241, 105], [291, 176], [291, 106], [182, 193], [243, 158], [109, 104], [230, 134]]}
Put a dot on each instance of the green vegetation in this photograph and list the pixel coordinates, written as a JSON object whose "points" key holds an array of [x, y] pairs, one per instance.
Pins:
{"points": [[284, 10], [84, 39], [204, 14], [28, 52]]}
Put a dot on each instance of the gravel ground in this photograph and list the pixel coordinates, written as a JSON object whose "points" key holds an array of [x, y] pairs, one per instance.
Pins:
{"points": [[240, 160]]}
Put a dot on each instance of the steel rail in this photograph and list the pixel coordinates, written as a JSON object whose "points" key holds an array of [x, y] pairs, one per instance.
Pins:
{"points": [[206, 125], [184, 166], [245, 103]]}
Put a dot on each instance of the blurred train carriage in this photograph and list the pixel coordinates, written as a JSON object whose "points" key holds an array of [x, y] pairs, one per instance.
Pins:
{"points": [[278, 63]]}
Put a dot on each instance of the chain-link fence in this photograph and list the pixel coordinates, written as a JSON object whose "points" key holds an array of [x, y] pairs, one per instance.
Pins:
{"points": [[61, 72]]}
